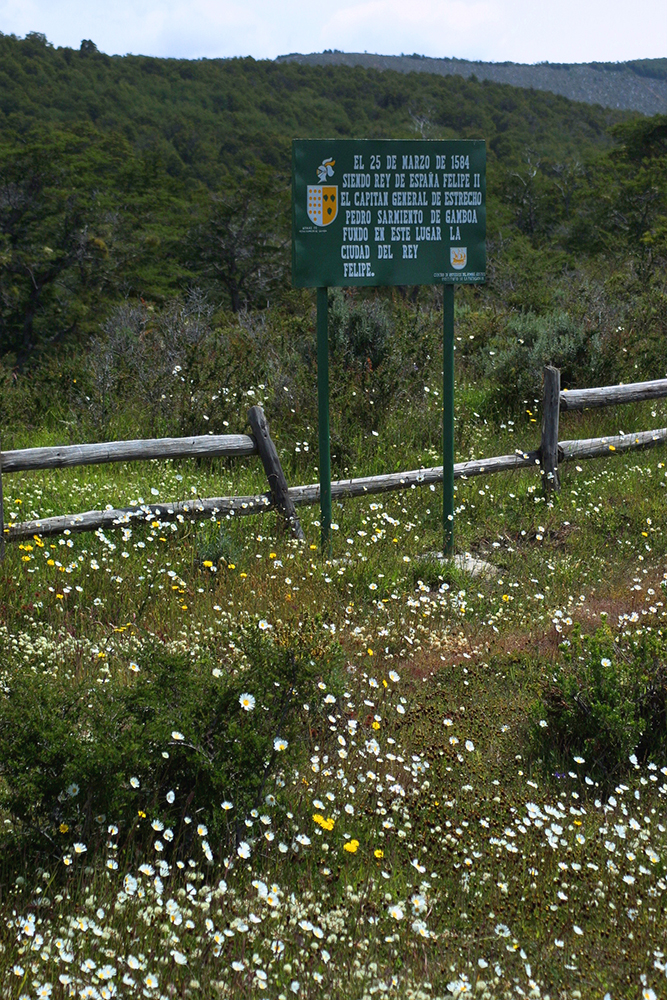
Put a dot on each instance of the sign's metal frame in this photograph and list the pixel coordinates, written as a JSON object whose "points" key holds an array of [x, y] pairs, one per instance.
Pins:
{"points": [[384, 212]]}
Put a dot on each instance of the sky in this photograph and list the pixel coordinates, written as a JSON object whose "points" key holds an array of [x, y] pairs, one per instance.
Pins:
{"points": [[491, 30]]}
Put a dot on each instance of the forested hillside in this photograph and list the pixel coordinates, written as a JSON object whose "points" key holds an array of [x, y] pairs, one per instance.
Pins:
{"points": [[638, 85], [134, 177]]}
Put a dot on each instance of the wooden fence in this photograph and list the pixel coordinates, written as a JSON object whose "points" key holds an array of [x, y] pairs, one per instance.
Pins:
{"points": [[556, 399], [285, 500]]}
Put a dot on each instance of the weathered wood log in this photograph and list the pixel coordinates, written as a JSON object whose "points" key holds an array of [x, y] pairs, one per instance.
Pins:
{"points": [[549, 443], [280, 495], [598, 447], [65, 456], [186, 510], [344, 488], [610, 395]]}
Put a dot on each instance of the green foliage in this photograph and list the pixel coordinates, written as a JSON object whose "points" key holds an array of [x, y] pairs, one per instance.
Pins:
{"points": [[644, 138], [359, 330], [70, 745], [125, 182], [64, 242], [652, 68], [241, 244], [517, 357], [603, 702], [130, 177]]}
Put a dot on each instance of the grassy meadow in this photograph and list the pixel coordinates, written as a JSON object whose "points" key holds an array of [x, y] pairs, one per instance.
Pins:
{"points": [[232, 767]]}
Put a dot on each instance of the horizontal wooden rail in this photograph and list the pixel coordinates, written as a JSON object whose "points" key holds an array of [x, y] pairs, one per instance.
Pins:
{"points": [[599, 447], [64, 456], [218, 507], [611, 395]]}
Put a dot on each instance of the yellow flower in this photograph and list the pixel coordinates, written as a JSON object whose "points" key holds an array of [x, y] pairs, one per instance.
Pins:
{"points": [[272, 555], [207, 563], [384, 684], [63, 828], [351, 847], [231, 565], [50, 562], [370, 652], [326, 824], [379, 853], [376, 725], [612, 448], [243, 575]]}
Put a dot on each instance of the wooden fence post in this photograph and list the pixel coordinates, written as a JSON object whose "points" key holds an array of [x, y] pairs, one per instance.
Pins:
{"points": [[274, 471], [549, 443]]}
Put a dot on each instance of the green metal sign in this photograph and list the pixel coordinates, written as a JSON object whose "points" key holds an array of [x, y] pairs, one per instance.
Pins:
{"points": [[388, 212]]}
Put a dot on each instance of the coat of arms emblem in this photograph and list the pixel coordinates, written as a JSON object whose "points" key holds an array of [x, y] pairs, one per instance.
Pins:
{"points": [[458, 257], [322, 199]]}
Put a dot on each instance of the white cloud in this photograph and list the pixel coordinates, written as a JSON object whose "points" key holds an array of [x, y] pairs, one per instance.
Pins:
{"points": [[520, 30], [430, 27]]}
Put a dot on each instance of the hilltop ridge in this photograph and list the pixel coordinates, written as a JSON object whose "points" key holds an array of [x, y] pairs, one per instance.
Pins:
{"points": [[638, 85]]}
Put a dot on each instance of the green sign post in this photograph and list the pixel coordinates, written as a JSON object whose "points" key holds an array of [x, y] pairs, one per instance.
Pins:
{"points": [[388, 212]]}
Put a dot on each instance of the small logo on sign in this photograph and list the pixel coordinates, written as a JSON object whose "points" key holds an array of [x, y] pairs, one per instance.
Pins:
{"points": [[322, 204], [458, 257], [325, 169]]}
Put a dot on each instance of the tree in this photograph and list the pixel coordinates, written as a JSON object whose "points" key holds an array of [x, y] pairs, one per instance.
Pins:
{"points": [[241, 245], [74, 215], [42, 236]]}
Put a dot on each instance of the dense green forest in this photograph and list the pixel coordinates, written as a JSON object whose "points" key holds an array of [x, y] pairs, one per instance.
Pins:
{"points": [[135, 178]]}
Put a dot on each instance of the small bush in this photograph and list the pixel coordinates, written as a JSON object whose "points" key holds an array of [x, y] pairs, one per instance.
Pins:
{"points": [[359, 330], [604, 703], [517, 357], [76, 753]]}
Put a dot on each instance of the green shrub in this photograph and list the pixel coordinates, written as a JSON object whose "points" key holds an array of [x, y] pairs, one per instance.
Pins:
{"points": [[76, 751], [515, 360], [604, 702], [359, 330]]}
